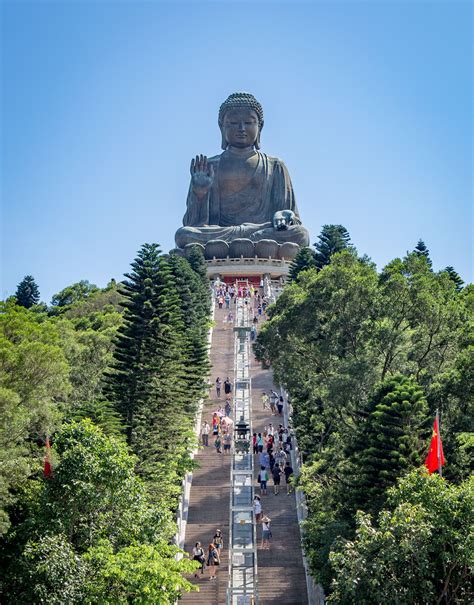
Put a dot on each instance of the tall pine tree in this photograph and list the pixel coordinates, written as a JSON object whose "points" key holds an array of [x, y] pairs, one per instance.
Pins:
{"points": [[388, 442], [27, 293], [422, 250], [302, 261], [198, 264], [195, 311], [333, 238], [149, 384], [455, 278]]}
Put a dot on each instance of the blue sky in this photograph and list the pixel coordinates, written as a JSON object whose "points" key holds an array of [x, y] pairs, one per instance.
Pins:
{"points": [[104, 103]]}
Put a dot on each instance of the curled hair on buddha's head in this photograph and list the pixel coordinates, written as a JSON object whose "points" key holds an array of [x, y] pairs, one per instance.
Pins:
{"points": [[240, 100]]}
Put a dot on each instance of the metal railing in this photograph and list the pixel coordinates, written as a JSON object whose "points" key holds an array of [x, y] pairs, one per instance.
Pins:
{"points": [[243, 581]]}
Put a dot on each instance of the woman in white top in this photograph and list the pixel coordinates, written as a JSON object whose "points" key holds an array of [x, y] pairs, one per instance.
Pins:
{"points": [[257, 507], [266, 533], [199, 556]]}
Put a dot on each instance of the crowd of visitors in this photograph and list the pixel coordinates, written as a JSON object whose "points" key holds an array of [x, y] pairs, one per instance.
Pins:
{"points": [[226, 295], [221, 423]]}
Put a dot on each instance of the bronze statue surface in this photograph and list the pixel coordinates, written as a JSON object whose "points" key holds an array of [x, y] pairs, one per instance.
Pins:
{"points": [[241, 194]]}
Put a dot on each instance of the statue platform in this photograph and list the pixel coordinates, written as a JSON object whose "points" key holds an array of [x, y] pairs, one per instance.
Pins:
{"points": [[241, 268]]}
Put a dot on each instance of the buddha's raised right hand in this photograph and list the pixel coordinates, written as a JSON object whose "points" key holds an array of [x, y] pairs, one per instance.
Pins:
{"points": [[202, 175]]}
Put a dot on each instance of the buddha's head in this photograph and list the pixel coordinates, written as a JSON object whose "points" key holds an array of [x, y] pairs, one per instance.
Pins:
{"points": [[241, 121]]}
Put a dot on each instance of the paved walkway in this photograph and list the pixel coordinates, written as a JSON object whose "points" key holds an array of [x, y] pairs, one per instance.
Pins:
{"points": [[281, 575], [281, 578], [210, 489]]}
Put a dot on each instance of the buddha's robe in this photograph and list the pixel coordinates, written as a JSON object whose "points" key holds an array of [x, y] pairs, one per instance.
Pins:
{"points": [[246, 213]]}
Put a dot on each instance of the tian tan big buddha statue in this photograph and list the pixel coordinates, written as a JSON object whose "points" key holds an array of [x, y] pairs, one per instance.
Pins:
{"points": [[241, 202]]}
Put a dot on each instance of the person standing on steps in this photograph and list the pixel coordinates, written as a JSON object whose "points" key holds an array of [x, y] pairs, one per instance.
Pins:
{"points": [[228, 407], [205, 433], [253, 333], [273, 402], [213, 561], [218, 444], [266, 533], [257, 507], [199, 556], [276, 473], [227, 439], [227, 386], [271, 461], [264, 459], [280, 406], [281, 457], [218, 387], [288, 474], [262, 479], [264, 400], [218, 541]]}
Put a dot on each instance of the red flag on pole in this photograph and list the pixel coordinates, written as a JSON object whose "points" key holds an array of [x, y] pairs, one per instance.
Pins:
{"points": [[47, 471], [435, 458]]}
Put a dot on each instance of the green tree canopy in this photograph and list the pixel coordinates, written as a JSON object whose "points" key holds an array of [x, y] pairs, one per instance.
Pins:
{"points": [[420, 551], [27, 293], [77, 292], [332, 239], [95, 536], [333, 337]]}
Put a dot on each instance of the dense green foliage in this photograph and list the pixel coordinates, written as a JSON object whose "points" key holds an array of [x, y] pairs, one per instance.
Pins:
{"points": [[332, 239], [27, 293], [160, 362], [386, 443], [420, 550], [73, 294], [113, 377], [367, 358]]}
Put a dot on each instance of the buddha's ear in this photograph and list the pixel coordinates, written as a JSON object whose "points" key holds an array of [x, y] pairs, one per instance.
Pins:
{"points": [[223, 141], [257, 141]]}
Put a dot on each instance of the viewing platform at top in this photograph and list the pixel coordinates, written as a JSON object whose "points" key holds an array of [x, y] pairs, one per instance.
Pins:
{"points": [[274, 268]]}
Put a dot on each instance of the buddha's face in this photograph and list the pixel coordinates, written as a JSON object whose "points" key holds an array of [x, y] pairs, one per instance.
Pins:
{"points": [[240, 127]]}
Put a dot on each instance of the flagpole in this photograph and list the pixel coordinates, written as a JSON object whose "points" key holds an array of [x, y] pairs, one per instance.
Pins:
{"points": [[440, 471]]}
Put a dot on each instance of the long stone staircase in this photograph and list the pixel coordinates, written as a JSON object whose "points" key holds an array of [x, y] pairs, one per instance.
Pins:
{"points": [[281, 576], [210, 490]]}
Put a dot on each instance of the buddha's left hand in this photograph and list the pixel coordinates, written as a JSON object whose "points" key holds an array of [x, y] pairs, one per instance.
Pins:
{"points": [[283, 219]]}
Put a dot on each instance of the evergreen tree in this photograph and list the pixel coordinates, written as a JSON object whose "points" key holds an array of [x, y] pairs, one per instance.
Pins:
{"points": [[455, 278], [149, 380], [27, 292], [141, 338], [422, 250], [333, 238], [198, 263], [388, 442], [302, 261], [195, 311]]}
